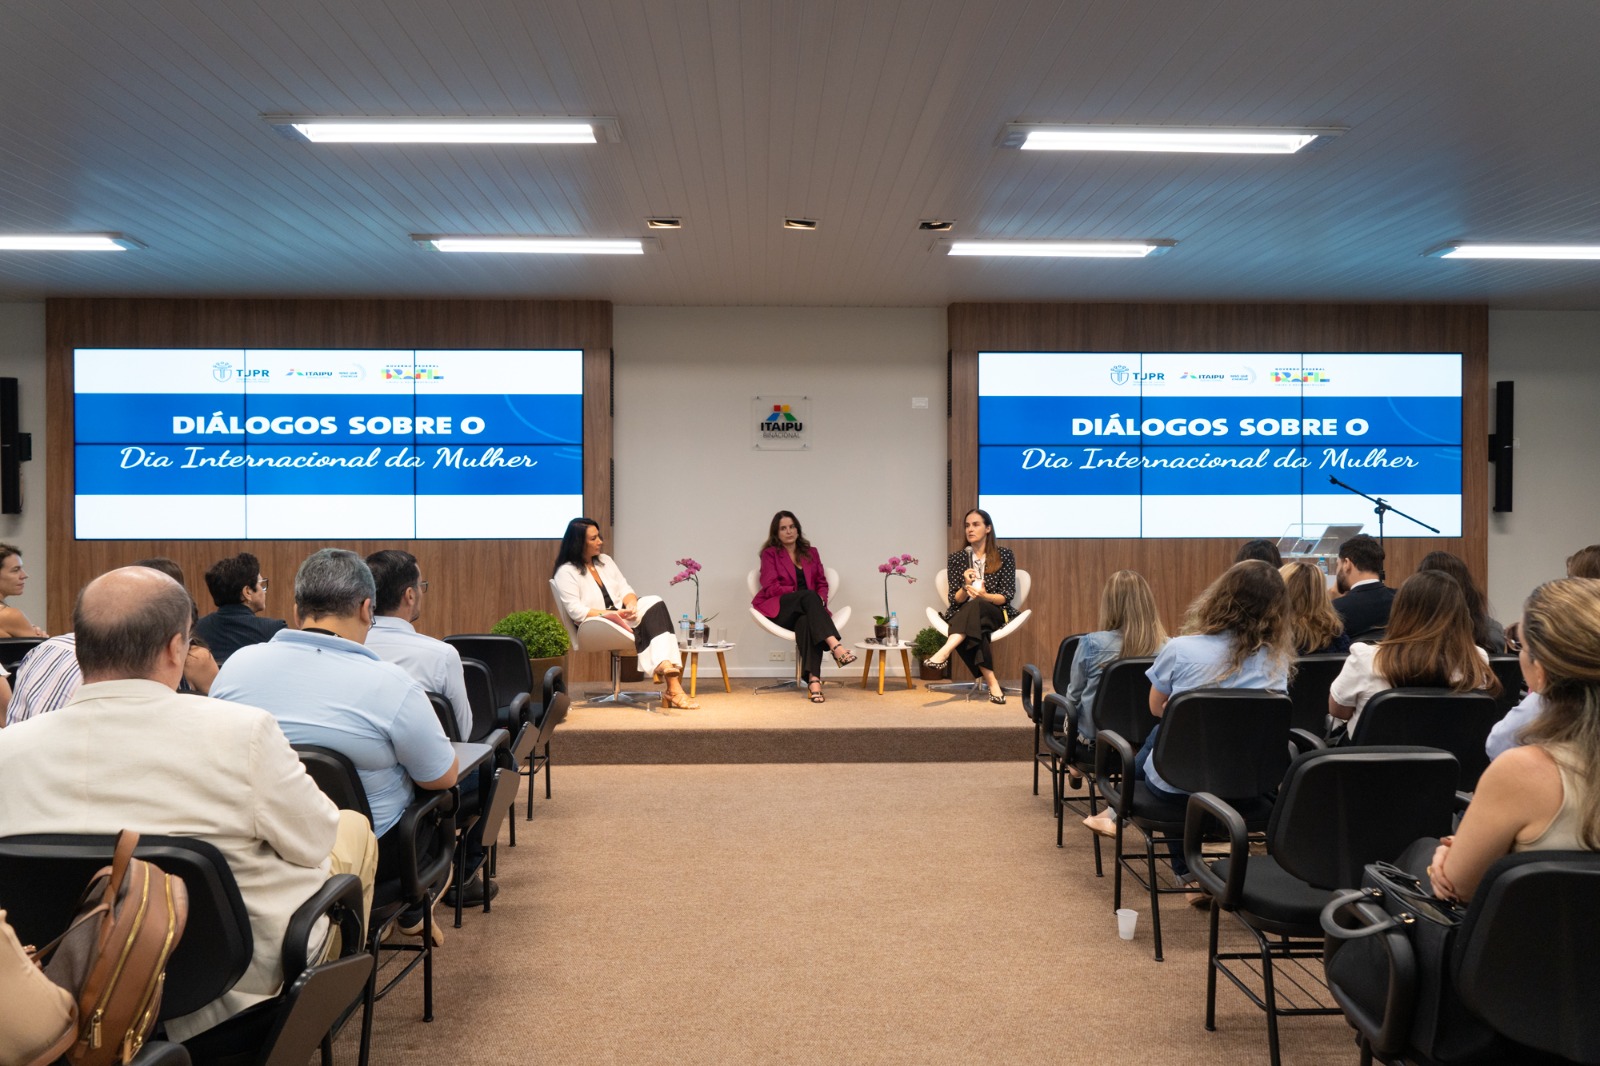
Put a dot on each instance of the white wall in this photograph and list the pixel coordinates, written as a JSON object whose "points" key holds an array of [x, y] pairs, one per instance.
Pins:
{"points": [[22, 357], [688, 482], [1554, 358]]}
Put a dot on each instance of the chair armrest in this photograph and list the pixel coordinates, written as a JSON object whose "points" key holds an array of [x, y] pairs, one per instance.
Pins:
{"points": [[1108, 746], [1060, 711], [1203, 805], [431, 817], [500, 741], [1462, 801], [516, 712], [1303, 740], [340, 900], [1389, 1034]]}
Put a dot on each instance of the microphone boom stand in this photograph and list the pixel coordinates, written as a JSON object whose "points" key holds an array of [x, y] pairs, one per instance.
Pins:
{"points": [[1382, 508]]}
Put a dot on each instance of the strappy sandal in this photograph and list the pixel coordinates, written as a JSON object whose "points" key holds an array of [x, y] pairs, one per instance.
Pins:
{"points": [[679, 701], [816, 693], [842, 656]]}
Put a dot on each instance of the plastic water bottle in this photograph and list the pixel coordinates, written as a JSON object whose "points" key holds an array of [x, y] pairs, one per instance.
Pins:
{"points": [[697, 635], [683, 628], [894, 629]]}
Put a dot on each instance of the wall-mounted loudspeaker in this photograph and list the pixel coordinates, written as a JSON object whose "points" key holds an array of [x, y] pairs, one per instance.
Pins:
{"points": [[16, 448], [1500, 443]]}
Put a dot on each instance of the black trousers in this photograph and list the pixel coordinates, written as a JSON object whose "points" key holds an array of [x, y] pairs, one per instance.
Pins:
{"points": [[804, 613], [654, 622], [976, 620]]}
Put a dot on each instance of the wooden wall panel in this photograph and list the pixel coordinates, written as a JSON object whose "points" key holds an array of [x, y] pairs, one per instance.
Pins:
{"points": [[471, 583], [1068, 574]]}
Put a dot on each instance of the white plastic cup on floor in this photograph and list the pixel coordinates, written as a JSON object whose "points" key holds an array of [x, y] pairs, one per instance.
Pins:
{"points": [[1126, 920]]}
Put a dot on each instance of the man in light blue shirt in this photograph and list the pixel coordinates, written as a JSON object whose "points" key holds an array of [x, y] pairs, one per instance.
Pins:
{"points": [[325, 688], [435, 665]]}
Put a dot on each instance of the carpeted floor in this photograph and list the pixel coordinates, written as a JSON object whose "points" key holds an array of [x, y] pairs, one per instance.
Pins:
{"points": [[912, 913]]}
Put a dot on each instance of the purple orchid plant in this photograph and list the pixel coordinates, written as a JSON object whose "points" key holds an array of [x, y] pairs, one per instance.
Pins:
{"points": [[895, 567], [690, 572]]}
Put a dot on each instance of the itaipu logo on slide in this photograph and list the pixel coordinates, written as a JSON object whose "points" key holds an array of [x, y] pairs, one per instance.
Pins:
{"points": [[782, 420]]}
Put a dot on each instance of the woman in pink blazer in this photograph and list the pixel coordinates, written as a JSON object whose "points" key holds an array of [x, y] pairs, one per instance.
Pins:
{"points": [[794, 594]]}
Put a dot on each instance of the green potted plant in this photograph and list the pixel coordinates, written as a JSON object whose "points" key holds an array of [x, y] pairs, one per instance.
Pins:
{"points": [[541, 633], [928, 641]]}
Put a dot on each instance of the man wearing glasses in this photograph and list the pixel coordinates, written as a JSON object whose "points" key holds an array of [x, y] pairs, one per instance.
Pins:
{"points": [[240, 593]]}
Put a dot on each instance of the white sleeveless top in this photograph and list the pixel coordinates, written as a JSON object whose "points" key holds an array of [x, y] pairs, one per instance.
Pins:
{"points": [[1564, 833]]}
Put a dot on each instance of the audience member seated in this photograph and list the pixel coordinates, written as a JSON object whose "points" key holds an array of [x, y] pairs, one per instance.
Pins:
{"points": [[128, 753], [589, 584], [1315, 627], [435, 665], [1364, 601], [1265, 550], [1507, 732], [1545, 795], [1486, 632], [1236, 635], [13, 623], [1428, 645], [200, 669], [240, 593], [326, 688]]}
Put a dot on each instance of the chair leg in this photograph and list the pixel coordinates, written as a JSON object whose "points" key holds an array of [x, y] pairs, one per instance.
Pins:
{"points": [[511, 824], [1116, 889], [369, 1003], [1211, 971], [1155, 891], [547, 769], [1271, 997], [530, 786], [1094, 796], [1061, 805], [427, 958], [460, 878], [1036, 754], [327, 1050]]}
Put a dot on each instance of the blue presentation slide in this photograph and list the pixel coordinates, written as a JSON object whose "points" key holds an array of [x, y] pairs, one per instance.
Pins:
{"points": [[298, 444], [1140, 444]]}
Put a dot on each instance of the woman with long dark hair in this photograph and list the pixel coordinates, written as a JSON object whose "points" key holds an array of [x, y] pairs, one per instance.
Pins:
{"points": [[794, 594], [1486, 632], [589, 585], [1428, 643], [983, 581]]}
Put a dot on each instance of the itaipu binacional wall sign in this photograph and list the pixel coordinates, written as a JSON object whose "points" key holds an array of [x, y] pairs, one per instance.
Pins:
{"points": [[780, 423]]}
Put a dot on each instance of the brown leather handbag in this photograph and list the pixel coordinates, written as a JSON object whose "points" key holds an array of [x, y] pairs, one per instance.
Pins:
{"points": [[113, 957]]}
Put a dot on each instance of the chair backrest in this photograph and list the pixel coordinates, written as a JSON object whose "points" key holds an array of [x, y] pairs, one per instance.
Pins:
{"points": [[1122, 702], [1458, 722], [506, 658], [941, 585], [446, 714], [336, 775], [1062, 674], [1032, 692], [1508, 668], [1308, 691], [1024, 586], [43, 875], [14, 649], [1231, 742], [480, 695], [1342, 808], [1528, 953]]}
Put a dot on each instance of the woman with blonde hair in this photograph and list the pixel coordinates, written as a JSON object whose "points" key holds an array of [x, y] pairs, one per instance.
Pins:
{"points": [[1129, 629], [1315, 627], [1428, 643], [1544, 795]]}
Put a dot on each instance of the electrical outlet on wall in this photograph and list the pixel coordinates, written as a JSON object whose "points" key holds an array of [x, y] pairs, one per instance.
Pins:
{"points": [[777, 656]]}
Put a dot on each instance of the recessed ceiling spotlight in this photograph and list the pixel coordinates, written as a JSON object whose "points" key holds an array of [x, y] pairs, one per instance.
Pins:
{"points": [[1516, 251], [1034, 137], [440, 130], [663, 222], [66, 242], [936, 225], [534, 245], [807, 224], [1059, 249]]}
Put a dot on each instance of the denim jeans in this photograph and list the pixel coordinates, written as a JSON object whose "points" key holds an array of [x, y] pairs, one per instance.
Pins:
{"points": [[1180, 869]]}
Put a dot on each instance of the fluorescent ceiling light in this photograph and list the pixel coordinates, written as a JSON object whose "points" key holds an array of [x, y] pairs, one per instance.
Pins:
{"points": [[416, 130], [1161, 139], [535, 245], [1518, 251], [66, 242], [1087, 249]]}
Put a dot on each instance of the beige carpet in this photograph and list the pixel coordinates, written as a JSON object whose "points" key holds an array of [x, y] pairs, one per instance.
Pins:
{"points": [[902, 913]]}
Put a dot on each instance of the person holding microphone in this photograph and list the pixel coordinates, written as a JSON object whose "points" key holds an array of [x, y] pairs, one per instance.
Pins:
{"points": [[983, 582]]}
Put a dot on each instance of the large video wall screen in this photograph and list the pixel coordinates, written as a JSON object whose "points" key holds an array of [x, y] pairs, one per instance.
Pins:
{"points": [[292, 444], [1130, 444]]}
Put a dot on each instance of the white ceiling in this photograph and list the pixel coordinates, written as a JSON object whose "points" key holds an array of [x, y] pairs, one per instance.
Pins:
{"points": [[1467, 119]]}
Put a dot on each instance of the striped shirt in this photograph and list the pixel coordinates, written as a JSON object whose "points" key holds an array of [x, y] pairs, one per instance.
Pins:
{"points": [[46, 679]]}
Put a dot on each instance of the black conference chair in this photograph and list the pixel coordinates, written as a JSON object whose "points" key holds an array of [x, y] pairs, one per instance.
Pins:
{"points": [[1232, 743], [1457, 722], [1032, 700], [14, 649], [427, 839], [509, 668], [1508, 668], [1535, 1003], [1338, 810], [1308, 691], [1121, 704], [1059, 679], [502, 797], [446, 715], [42, 877]]}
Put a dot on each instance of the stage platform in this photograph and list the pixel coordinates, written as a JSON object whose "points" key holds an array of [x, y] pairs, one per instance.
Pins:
{"points": [[744, 726]]}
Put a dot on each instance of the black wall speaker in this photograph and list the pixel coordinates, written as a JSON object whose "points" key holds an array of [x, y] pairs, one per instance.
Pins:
{"points": [[16, 448], [1500, 442]]}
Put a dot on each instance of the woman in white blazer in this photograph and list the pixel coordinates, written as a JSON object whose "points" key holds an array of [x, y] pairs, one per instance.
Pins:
{"points": [[589, 585]]}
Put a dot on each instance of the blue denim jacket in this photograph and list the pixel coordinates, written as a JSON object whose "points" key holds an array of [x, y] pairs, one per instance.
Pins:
{"points": [[1096, 651]]}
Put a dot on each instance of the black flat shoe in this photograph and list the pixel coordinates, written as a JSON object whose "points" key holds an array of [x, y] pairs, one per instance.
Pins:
{"points": [[997, 697]]}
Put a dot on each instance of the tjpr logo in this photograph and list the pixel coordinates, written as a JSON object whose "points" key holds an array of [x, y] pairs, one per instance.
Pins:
{"points": [[781, 420], [1119, 375], [222, 371]]}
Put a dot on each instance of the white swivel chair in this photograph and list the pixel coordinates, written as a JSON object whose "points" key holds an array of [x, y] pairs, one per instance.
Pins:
{"points": [[598, 634], [841, 618], [936, 620]]}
